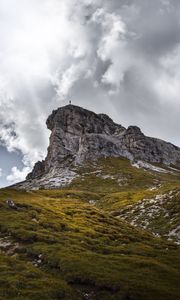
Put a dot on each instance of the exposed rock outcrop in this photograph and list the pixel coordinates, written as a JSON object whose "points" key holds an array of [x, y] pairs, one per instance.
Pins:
{"points": [[78, 135]]}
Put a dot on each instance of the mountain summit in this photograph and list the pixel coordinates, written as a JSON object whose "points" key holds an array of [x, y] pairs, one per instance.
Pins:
{"points": [[79, 135]]}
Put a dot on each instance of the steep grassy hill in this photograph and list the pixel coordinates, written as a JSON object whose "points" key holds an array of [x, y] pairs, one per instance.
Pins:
{"points": [[74, 243]]}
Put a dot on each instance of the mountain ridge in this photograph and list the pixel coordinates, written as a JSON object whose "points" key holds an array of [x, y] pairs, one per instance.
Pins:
{"points": [[79, 135]]}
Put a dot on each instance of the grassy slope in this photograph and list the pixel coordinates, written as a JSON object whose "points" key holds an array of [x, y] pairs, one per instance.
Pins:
{"points": [[126, 188], [122, 176], [61, 247]]}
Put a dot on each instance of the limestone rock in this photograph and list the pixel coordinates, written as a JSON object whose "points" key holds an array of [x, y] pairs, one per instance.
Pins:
{"points": [[11, 204], [78, 135], [38, 170]]}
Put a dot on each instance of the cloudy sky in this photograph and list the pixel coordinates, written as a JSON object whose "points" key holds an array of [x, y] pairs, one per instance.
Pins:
{"points": [[120, 57]]}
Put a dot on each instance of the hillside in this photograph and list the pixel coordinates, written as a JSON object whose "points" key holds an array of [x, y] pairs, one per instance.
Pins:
{"points": [[75, 244], [98, 219], [58, 245]]}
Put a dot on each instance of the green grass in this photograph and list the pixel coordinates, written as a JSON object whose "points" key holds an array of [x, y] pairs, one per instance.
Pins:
{"points": [[62, 247], [83, 250], [125, 176], [158, 216]]}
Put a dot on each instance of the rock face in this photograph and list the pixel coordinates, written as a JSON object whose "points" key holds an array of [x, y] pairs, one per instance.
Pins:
{"points": [[78, 135]]}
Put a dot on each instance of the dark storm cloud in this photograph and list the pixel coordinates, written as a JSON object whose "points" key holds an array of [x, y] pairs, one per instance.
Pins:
{"points": [[118, 57]]}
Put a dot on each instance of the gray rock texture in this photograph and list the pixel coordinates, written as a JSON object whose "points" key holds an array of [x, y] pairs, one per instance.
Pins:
{"points": [[78, 135]]}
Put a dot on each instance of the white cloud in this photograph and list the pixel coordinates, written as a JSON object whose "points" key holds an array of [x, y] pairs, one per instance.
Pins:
{"points": [[112, 46], [0, 172], [39, 41], [17, 175], [65, 80], [167, 84]]}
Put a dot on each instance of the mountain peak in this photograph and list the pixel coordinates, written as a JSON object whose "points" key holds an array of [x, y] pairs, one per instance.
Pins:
{"points": [[78, 135], [79, 120]]}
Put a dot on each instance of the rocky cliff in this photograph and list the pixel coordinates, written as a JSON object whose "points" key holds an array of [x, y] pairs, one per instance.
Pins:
{"points": [[78, 135]]}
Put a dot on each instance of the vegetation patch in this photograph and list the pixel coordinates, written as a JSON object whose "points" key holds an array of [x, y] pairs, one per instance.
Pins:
{"points": [[71, 249]]}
